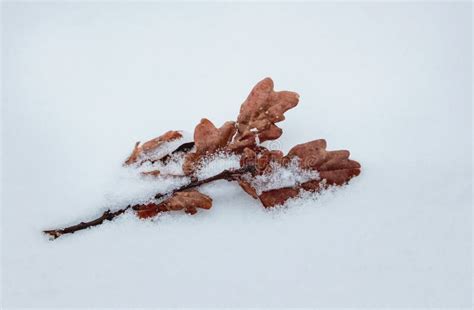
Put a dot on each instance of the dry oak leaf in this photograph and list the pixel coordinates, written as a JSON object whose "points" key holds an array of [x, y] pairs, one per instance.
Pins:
{"points": [[151, 145], [334, 168], [207, 140], [256, 123], [260, 160], [188, 201], [258, 114]]}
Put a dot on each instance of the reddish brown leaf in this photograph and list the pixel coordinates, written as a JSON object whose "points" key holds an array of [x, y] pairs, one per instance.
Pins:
{"points": [[149, 210], [248, 158], [258, 114], [261, 159], [135, 154], [151, 146], [256, 122], [208, 139], [247, 187], [334, 168], [188, 201], [277, 196]]}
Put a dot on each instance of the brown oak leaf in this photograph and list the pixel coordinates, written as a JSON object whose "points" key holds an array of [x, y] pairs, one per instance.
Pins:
{"points": [[334, 168], [207, 140], [151, 146], [256, 123], [258, 114], [260, 160], [188, 201]]}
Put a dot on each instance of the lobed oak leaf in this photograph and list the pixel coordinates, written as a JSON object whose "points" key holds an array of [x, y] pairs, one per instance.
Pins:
{"points": [[151, 146], [207, 140], [278, 196], [334, 169], [188, 201], [256, 123], [258, 114]]}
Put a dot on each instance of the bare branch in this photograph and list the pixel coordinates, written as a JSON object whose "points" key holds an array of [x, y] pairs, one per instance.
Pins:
{"points": [[229, 175]]}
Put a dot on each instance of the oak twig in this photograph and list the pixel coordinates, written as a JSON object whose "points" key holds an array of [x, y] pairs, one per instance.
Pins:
{"points": [[229, 175], [106, 216]]}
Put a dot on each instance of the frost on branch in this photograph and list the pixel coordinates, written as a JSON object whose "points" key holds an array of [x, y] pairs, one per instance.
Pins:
{"points": [[188, 201], [267, 175]]}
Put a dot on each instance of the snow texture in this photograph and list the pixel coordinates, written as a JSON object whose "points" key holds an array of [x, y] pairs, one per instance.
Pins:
{"points": [[391, 82], [163, 150], [280, 176], [212, 165]]}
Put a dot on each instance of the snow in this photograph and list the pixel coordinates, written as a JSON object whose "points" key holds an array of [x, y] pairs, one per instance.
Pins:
{"points": [[165, 148], [280, 176], [212, 165], [391, 82]]}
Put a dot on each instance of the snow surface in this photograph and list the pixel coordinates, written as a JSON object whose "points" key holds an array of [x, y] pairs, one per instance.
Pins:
{"points": [[83, 81]]}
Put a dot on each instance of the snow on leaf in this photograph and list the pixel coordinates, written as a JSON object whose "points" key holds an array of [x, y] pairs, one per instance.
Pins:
{"points": [[141, 151], [208, 140], [307, 166], [280, 176]]}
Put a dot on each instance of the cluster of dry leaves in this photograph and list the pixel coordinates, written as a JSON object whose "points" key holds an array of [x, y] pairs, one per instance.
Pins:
{"points": [[255, 124]]}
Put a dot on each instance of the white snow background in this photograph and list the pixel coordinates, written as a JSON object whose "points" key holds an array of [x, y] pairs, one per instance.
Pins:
{"points": [[391, 82]]}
